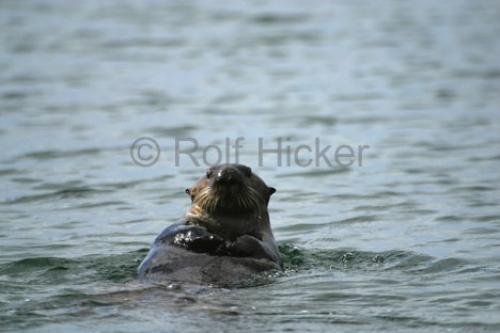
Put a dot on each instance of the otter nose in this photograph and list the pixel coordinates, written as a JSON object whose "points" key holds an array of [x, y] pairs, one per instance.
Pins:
{"points": [[228, 175]]}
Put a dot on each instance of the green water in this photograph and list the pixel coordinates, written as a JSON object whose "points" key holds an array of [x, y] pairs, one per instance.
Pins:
{"points": [[407, 242]]}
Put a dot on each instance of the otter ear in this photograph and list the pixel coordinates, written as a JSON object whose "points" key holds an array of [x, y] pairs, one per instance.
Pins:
{"points": [[271, 190]]}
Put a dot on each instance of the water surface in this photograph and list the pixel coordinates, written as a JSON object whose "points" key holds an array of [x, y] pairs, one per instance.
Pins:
{"points": [[408, 241]]}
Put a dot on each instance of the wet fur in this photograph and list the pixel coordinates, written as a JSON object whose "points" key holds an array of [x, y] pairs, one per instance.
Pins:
{"points": [[225, 236]]}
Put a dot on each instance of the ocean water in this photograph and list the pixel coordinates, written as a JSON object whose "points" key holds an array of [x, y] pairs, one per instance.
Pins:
{"points": [[406, 239]]}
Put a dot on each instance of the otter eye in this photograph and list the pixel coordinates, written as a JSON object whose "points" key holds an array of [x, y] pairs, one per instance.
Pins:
{"points": [[188, 191]]}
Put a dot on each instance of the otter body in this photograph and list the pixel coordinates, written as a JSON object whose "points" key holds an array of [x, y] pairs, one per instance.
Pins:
{"points": [[225, 236]]}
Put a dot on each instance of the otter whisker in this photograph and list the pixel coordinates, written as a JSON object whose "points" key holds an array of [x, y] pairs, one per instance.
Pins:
{"points": [[257, 200], [211, 200], [204, 200]]}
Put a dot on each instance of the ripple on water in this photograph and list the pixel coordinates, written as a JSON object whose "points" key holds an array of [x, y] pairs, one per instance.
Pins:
{"points": [[355, 274], [54, 154], [41, 270], [75, 192], [9, 172], [314, 173]]}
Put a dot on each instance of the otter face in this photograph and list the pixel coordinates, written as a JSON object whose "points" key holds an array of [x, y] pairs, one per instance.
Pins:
{"points": [[230, 189]]}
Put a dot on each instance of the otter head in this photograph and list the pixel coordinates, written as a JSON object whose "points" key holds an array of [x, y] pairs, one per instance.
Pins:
{"points": [[230, 199]]}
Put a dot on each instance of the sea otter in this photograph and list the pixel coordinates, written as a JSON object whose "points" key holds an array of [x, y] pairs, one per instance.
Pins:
{"points": [[225, 236]]}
